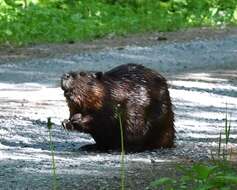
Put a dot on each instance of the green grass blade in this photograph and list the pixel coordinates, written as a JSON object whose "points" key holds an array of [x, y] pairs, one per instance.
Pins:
{"points": [[122, 153], [219, 146], [49, 125]]}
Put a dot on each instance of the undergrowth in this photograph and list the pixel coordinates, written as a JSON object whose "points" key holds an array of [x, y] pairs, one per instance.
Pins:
{"points": [[200, 176], [42, 21], [216, 174]]}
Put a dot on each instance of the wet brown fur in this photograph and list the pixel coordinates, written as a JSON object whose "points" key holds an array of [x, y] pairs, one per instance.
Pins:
{"points": [[137, 94]]}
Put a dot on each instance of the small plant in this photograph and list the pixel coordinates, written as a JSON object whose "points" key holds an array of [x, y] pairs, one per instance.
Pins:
{"points": [[222, 152], [201, 176], [49, 125], [227, 131], [122, 156]]}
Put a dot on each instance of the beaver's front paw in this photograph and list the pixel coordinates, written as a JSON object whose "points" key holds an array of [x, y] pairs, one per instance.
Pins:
{"points": [[76, 119], [67, 124], [78, 122]]}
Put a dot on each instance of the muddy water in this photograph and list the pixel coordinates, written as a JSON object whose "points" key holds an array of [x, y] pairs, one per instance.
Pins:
{"points": [[203, 82]]}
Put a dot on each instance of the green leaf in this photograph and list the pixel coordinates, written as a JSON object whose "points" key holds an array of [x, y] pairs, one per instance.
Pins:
{"points": [[202, 171], [180, 1], [8, 32], [13, 3], [227, 179], [205, 187], [213, 11], [235, 13], [76, 17], [163, 181], [49, 123]]}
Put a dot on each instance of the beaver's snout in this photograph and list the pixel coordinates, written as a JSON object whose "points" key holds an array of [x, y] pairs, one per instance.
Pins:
{"points": [[66, 81], [66, 76]]}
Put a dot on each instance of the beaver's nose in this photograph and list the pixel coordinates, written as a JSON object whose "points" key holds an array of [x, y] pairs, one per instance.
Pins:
{"points": [[66, 76]]}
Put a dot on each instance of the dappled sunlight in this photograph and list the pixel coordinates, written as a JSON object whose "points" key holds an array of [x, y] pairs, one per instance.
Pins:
{"points": [[201, 102], [199, 116], [30, 93], [32, 100]]}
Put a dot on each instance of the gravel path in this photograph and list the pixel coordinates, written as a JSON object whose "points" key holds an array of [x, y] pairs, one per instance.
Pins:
{"points": [[202, 74]]}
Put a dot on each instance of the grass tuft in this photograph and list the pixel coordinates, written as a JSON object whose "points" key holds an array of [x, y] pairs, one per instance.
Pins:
{"points": [[49, 125], [219, 174], [118, 116], [122, 161]]}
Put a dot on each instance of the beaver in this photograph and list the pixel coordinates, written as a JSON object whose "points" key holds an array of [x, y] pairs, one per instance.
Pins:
{"points": [[130, 96]]}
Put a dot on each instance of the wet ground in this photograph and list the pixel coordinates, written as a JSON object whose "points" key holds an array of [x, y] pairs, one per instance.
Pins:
{"points": [[203, 81]]}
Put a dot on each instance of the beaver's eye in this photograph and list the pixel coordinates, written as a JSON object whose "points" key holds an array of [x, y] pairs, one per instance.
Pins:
{"points": [[82, 74], [90, 83], [66, 76], [73, 74]]}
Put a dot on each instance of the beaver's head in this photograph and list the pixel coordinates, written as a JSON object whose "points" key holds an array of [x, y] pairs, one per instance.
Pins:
{"points": [[83, 90]]}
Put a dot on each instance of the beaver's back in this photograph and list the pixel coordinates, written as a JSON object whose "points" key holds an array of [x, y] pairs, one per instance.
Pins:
{"points": [[135, 73], [145, 98]]}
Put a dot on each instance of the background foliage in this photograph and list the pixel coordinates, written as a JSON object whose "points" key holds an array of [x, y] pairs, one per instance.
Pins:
{"points": [[41, 21]]}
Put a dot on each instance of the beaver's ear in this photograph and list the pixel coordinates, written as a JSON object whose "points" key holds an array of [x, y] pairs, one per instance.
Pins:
{"points": [[98, 75]]}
